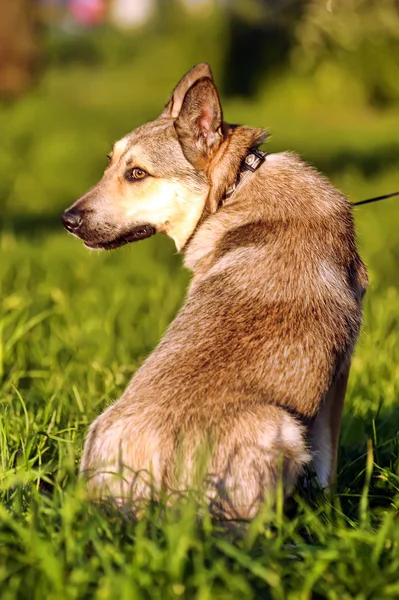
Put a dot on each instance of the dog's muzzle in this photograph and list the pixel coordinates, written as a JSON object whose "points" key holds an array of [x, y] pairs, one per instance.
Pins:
{"points": [[77, 221]]}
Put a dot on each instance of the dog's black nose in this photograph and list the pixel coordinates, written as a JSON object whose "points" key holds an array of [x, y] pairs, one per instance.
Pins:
{"points": [[72, 220]]}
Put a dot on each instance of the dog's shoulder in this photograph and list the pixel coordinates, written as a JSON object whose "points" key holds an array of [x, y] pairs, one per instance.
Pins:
{"points": [[286, 201]]}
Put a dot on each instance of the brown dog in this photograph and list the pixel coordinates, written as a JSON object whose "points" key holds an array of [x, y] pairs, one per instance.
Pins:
{"points": [[252, 373]]}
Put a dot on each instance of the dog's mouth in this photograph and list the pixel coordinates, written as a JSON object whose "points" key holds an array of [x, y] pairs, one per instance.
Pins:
{"points": [[141, 232]]}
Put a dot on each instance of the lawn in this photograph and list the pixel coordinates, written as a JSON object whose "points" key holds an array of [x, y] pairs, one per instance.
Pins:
{"points": [[75, 325]]}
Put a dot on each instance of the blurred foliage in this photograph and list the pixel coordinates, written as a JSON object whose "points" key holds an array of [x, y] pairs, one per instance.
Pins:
{"points": [[19, 52], [171, 27], [349, 47], [351, 44]]}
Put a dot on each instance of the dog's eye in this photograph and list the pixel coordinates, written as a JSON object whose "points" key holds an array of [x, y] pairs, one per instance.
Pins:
{"points": [[136, 174], [109, 158]]}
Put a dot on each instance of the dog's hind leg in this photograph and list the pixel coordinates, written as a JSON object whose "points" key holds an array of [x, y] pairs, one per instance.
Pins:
{"points": [[325, 431], [259, 449]]}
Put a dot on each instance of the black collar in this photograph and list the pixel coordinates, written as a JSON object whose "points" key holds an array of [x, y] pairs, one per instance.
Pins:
{"points": [[253, 160]]}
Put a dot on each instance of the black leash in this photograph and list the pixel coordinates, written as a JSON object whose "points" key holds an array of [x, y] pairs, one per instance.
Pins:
{"points": [[377, 199]]}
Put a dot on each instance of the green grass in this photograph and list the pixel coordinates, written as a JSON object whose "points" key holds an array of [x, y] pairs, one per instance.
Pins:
{"points": [[75, 325]]}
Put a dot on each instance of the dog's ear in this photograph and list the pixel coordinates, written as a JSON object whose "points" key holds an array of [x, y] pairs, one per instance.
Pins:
{"points": [[173, 107], [199, 124]]}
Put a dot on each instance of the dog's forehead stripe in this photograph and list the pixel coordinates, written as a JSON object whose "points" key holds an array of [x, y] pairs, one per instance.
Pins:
{"points": [[119, 147]]}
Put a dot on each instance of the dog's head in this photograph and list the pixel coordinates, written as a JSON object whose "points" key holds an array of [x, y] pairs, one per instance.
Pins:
{"points": [[161, 175], [156, 179]]}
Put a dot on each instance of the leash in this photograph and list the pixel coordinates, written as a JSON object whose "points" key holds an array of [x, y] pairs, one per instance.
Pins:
{"points": [[376, 199]]}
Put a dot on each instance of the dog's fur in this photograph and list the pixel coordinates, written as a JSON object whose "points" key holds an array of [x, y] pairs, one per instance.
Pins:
{"points": [[254, 367]]}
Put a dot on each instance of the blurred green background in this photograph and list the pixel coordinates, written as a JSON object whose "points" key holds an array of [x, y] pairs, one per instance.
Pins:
{"points": [[323, 77]]}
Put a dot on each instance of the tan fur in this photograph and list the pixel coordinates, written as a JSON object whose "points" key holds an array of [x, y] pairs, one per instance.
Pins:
{"points": [[252, 372]]}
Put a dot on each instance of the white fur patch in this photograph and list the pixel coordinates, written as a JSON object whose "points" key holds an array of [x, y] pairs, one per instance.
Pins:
{"points": [[291, 433], [231, 259], [120, 147], [169, 205], [277, 157], [330, 276]]}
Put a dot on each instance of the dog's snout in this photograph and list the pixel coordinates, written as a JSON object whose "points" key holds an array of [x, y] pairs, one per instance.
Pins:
{"points": [[72, 220]]}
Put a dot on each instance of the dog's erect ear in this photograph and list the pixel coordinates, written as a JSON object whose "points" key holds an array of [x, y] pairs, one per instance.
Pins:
{"points": [[199, 124], [173, 107]]}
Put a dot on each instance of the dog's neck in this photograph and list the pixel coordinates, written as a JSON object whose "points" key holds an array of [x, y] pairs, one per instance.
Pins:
{"points": [[201, 248], [229, 161], [237, 157]]}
